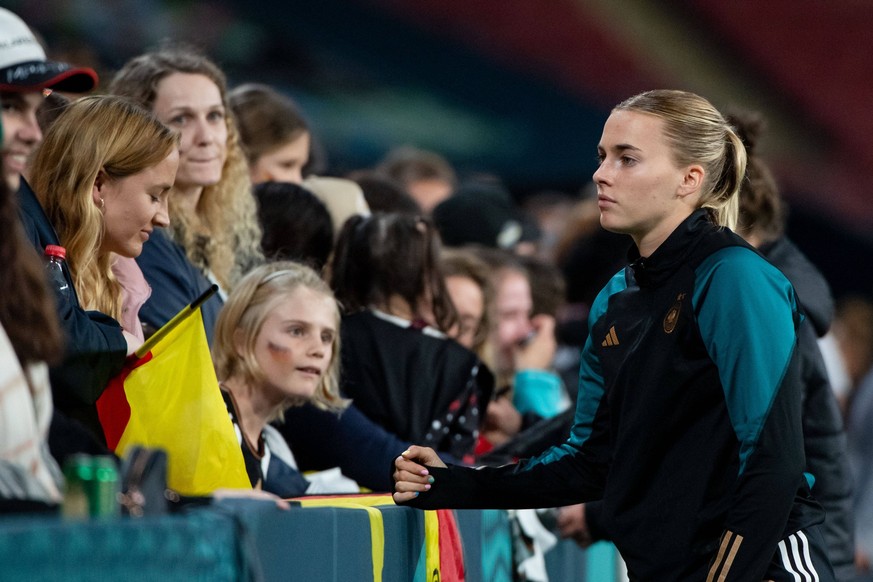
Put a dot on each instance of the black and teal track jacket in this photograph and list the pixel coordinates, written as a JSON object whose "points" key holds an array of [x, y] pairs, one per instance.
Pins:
{"points": [[687, 424]]}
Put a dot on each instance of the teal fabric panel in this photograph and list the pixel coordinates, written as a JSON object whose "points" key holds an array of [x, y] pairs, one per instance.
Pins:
{"points": [[487, 545], [567, 561], [496, 546], [201, 545], [404, 543], [749, 335], [329, 544], [538, 391], [600, 561]]}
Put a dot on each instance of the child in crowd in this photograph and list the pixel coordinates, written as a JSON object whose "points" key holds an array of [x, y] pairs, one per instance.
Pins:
{"points": [[524, 348], [468, 282], [399, 365], [277, 345], [297, 226]]}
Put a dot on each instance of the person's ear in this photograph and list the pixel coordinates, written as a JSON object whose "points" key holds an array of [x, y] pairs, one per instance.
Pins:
{"points": [[692, 180], [239, 342], [97, 189]]}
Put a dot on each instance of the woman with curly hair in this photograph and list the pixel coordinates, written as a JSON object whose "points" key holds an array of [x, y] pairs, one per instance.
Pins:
{"points": [[214, 232]]}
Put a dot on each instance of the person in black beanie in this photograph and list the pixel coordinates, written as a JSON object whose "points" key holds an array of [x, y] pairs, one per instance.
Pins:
{"points": [[296, 225], [482, 212]]}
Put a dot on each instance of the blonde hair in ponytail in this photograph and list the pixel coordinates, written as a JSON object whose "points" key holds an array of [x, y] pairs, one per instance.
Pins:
{"points": [[699, 134]]}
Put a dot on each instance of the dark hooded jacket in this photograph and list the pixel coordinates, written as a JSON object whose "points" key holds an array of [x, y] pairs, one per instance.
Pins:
{"points": [[688, 420], [421, 388], [824, 436]]}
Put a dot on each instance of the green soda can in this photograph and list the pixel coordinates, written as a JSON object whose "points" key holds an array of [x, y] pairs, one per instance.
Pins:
{"points": [[91, 487], [78, 475], [103, 495]]}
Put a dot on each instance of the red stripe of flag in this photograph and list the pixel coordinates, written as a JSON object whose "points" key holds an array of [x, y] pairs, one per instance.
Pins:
{"points": [[452, 568], [112, 406]]}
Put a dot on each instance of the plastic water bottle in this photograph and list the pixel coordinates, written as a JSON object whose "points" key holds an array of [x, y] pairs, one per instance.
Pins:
{"points": [[55, 256]]}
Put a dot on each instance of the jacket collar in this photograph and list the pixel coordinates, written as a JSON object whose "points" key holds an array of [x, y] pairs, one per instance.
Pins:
{"points": [[673, 252]]}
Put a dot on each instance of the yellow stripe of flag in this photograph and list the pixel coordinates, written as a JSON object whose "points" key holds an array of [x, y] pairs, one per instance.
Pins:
{"points": [[175, 404]]}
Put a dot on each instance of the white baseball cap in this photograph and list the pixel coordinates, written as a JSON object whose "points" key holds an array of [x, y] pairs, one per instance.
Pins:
{"points": [[24, 67]]}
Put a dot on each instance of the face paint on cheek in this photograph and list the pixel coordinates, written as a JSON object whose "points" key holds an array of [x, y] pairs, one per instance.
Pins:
{"points": [[278, 352]]}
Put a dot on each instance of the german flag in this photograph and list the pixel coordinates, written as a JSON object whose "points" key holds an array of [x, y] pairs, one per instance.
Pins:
{"points": [[167, 397]]}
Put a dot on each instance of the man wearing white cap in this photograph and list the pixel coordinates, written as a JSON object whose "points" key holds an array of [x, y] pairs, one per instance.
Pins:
{"points": [[95, 347], [25, 75]]}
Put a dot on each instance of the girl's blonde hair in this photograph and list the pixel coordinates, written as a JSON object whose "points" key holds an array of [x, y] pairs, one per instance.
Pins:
{"points": [[699, 134], [246, 310], [222, 235], [94, 134]]}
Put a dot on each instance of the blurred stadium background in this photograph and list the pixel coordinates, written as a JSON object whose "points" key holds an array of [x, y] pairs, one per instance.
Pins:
{"points": [[520, 88]]}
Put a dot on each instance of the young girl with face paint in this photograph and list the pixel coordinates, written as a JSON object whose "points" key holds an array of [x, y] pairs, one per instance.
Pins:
{"points": [[277, 345], [688, 419]]}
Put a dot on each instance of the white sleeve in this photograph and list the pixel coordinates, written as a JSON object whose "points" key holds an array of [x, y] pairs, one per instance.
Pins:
{"points": [[838, 376]]}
